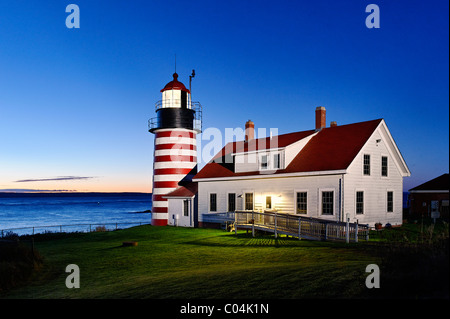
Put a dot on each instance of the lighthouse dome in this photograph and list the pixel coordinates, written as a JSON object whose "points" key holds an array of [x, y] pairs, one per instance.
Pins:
{"points": [[175, 85]]}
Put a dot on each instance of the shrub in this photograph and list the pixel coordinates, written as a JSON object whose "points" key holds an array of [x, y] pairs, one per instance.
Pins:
{"points": [[17, 263], [100, 229], [9, 235]]}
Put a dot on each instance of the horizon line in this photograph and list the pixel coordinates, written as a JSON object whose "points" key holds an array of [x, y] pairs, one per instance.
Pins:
{"points": [[43, 191]]}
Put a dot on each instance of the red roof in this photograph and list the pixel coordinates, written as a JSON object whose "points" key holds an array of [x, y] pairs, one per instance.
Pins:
{"points": [[332, 148], [175, 85], [188, 190], [262, 143]]}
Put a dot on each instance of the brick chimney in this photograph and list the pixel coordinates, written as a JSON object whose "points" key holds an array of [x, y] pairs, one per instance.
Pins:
{"points": [[320, 118], [333, 124], [249, 131]]}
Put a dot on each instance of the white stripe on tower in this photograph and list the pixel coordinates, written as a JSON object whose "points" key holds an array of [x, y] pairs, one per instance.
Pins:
{"points": [[175, 156], [179, 152], [186, 163]]}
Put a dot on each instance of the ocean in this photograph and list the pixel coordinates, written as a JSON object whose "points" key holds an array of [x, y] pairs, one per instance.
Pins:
{"points": [[87, 210]]}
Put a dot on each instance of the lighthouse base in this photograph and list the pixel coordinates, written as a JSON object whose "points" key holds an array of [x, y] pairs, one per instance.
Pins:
{"points": [[159, 219], [159, 222]]}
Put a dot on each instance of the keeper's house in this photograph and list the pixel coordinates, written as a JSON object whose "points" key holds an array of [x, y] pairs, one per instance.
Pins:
{"points": [[335, 172]]}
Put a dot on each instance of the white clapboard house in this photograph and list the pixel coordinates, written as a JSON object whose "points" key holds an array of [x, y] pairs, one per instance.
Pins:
{"points": [[342, 171]]}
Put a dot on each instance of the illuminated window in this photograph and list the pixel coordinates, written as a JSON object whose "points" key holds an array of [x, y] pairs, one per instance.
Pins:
{"points": [[268, 202], [302, 205], [248, 201]]}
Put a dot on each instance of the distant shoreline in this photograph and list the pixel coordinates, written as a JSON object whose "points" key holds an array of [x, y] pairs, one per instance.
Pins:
{"points": [[70, 194]]}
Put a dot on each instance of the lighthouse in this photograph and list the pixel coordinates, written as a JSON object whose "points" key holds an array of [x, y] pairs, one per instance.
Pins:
{"points": [[176, 125]]}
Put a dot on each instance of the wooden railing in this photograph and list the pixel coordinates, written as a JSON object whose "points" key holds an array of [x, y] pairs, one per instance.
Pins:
{"points": [[293, 225]]}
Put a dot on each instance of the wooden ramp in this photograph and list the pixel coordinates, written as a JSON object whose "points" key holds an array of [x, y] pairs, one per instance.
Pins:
{"points": [[294, 225]]}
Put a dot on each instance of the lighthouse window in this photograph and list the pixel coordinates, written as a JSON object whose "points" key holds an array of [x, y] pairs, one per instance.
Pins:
{"points": [[183, 99], [213, 202]]}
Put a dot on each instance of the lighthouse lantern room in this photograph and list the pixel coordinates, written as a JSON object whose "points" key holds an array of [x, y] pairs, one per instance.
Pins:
{"points": [[177, 122]]}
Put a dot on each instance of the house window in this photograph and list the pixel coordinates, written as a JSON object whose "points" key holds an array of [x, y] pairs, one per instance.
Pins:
{"points": [[366, 164], [384, 166], [276, 161], [327, 203], [268, 202], [248, 201], [213, 202], [390, 202], [302, 205], [186, 207], [231, 202], [360, 202], [264, 161]]}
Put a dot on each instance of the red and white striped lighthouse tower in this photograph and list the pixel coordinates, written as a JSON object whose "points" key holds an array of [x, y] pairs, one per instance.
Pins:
{"points": [[177, 122]]}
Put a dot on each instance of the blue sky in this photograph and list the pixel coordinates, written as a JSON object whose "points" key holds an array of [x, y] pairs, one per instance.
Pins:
{"points": [[74, 103]]}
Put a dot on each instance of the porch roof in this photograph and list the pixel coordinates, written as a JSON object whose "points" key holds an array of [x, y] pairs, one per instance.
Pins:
{"points": [[187, 191]]}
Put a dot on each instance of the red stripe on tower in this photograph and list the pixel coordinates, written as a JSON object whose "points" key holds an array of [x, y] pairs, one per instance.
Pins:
{"points": [[166, 184], [175, 158], [176, 134], [159, 210]]}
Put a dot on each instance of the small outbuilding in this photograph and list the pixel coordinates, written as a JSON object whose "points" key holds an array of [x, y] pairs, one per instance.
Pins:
{"points": [[182, 206], [430, 199]]}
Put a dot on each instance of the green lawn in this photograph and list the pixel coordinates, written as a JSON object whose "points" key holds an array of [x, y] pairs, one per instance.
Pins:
{"points": [[189, 263]]}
